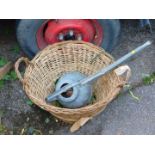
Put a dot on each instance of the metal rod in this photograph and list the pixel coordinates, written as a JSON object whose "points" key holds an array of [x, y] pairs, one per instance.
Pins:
{"points": [[115, 64], [100, 73]]}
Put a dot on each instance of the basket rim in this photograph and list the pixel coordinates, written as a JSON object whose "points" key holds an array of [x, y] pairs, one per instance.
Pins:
{"points": [[59, 44]]}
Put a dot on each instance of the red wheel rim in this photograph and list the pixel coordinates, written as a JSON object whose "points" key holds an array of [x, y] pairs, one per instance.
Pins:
{"points": [[52, 31]]}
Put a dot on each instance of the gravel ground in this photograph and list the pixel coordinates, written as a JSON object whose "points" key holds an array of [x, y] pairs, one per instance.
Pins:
{"points": [[125, 115]]}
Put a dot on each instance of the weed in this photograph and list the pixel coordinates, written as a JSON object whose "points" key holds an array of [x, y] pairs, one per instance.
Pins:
{"points": [[30, 131], [7, 31], [3, 129], [15, 49], [29, 102], [47, 120], [1, 84], [57, 104], [149, 79], [1, 113], [13, 75], [93, 99], [133, 96], [10, 76], [131, 92], [3, 61]]}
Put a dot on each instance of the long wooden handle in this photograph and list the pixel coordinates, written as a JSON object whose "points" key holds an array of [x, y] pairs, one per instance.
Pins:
{"points": [[5, 69]]}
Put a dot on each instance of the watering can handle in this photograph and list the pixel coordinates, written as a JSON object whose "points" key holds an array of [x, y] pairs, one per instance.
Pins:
{"points": [[18, 62]]}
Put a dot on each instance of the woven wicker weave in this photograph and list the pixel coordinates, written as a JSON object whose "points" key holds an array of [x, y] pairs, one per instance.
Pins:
{"points": [[49, 64]]}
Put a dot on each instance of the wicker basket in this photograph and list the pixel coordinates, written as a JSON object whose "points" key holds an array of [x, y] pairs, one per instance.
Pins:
{"points": [[48, 65]]}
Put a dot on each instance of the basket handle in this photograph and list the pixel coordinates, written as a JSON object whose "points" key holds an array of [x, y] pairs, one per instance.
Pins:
{"points": [[124, 70], [22, 59]]}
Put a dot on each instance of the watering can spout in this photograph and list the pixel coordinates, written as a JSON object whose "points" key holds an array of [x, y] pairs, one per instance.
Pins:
{"points": [[50, 99]]}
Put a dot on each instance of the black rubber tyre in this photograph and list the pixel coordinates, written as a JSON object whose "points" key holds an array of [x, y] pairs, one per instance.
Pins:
{"points": [[27, 28], [111, 33]]}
